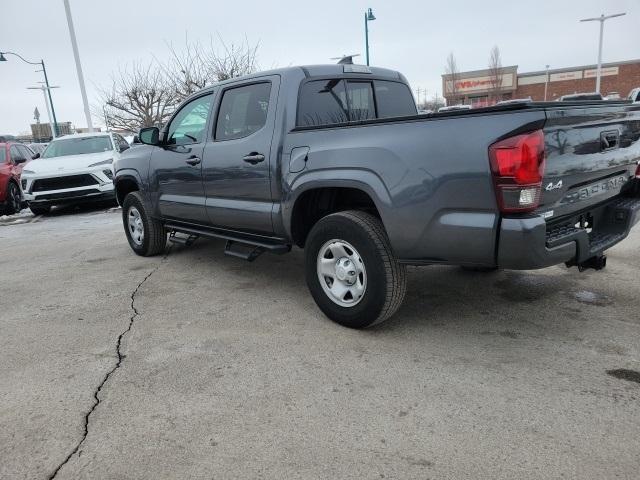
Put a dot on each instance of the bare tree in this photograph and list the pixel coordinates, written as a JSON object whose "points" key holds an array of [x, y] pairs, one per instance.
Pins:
{"points": [[194, 67], [147, 95], [140, 96], [495, 75], [453, 77]]}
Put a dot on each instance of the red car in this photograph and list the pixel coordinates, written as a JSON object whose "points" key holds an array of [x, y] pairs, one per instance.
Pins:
{"points": [[13, 156]]}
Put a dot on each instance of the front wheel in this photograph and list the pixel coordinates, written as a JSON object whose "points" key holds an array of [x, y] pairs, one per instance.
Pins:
{"points": [[146, 235], [351, 271], [14, 199]]}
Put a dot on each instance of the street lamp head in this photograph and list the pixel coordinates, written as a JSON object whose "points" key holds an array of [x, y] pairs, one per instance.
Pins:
{"points": [[2, 57], [370, 15]]}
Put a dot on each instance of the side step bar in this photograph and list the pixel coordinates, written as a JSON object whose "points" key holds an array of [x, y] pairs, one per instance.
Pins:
{"points": [[245, 247]]}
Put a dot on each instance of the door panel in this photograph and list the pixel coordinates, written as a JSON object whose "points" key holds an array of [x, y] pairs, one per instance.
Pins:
{"points": [[236, 162], [177, 165]]}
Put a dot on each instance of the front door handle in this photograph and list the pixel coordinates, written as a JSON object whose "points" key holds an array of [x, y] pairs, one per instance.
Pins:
{"points": [[193, 160], [253, 158]]}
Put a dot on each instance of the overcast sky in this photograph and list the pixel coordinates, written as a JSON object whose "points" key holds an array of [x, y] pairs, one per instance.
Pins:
{"points": [[413, 36]]}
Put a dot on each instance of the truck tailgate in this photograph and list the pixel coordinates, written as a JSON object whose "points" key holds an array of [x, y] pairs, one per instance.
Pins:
{"points": [[589, 195], [591, 155]]}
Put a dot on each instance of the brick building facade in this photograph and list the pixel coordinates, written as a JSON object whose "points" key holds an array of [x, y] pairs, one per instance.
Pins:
{"points": [[475, 88]]}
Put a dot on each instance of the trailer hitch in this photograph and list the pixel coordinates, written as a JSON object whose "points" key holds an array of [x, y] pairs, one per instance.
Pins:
{"points": [[597, 263]]}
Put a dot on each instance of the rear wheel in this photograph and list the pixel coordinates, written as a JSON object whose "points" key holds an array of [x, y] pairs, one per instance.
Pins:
{"points": [[14, 199], [351, 271], [146, 235]]}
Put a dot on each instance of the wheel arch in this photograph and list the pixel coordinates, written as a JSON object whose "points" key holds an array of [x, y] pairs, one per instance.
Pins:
{"points": [[125, 184], [317, 197]]}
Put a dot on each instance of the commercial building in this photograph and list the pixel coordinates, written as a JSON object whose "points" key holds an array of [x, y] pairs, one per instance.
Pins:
{"points": [[41, 132], [480, 87]]}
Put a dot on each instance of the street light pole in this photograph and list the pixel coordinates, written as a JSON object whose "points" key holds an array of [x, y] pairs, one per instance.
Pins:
{"points": [[368, 17], [54, 125], [602, 18], [76, 55]]}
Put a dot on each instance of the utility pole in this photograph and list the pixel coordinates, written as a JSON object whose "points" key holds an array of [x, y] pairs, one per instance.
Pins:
{"points": [[76, 55], [602, 18]]}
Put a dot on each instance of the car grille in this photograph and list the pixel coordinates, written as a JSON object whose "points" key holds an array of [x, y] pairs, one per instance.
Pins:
{"points": [[59, 183]]}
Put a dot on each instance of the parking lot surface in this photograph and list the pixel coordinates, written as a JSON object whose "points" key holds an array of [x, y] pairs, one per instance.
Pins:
{"points": [[199, 365]]}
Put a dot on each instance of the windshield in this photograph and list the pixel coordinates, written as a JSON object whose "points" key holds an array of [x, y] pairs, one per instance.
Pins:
{"points": [[77, 146]]}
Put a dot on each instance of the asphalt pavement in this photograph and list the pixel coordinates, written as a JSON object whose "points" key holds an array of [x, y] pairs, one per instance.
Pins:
{"points": [[198, 365]]}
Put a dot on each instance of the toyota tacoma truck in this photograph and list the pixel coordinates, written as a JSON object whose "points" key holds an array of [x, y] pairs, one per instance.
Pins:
{"points": [[335, 159]]}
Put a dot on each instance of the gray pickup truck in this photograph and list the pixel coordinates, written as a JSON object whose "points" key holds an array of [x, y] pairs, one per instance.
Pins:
{"points": [[336, 160]]}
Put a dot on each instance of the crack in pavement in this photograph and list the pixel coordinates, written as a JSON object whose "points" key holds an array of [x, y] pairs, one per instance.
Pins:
{"points": [[121, 357]]}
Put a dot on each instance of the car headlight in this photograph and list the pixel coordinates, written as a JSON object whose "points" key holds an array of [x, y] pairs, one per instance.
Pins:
{"points": [[104, 162]]}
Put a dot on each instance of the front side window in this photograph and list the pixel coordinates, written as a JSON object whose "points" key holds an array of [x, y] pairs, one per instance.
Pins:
{"points": [[243, 111], [323, 102], [16, 154], [394, 99], [189, 125], [77, 146]]}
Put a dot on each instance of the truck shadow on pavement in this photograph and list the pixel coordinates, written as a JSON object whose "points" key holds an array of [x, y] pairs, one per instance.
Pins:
{"points": [[501, 303]]}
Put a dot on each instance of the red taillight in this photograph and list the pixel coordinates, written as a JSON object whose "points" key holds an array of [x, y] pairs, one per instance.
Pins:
{"points": [[517, 164], [638, 172]]}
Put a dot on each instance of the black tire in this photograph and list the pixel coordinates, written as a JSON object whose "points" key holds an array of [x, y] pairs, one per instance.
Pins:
{"points": [[155, 236], [385, 277], [14, 199], [40, 209]]}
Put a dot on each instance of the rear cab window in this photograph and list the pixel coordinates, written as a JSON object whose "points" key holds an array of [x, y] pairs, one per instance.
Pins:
{"points": [[334, 101]]}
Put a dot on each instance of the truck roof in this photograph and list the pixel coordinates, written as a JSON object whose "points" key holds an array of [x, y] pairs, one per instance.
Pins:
{"points": [[319, 71]]}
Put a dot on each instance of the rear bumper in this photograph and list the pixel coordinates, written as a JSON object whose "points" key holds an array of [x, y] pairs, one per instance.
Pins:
{"points": [[530, 243]]}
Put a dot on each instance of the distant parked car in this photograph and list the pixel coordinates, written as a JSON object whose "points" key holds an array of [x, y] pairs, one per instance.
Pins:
{"points": [[613, 96], [73, 169], [580, 97], [454, 107], [424, 112], [634, 95], [13, 156], [38, 147]]}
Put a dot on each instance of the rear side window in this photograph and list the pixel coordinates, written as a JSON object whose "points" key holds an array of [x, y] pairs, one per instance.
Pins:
{"points": [[243, 111], [361, 103], [327, 102], [322, 102], [394, 99]]}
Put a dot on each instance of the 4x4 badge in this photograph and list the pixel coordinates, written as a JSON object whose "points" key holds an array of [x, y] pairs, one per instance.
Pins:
{"points": [[553, 186]]}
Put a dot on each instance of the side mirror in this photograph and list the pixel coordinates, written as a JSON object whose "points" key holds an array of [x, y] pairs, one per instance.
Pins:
{"points": [[136, 139], [149, 136], [20, 160], [37, 155]]}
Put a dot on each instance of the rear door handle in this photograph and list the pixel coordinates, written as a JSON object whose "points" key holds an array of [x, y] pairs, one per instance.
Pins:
{"points": [[253, 158], [193, 160]]}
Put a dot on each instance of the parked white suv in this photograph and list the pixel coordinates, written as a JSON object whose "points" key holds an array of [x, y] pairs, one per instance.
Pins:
{"points": [[73, 169]]}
